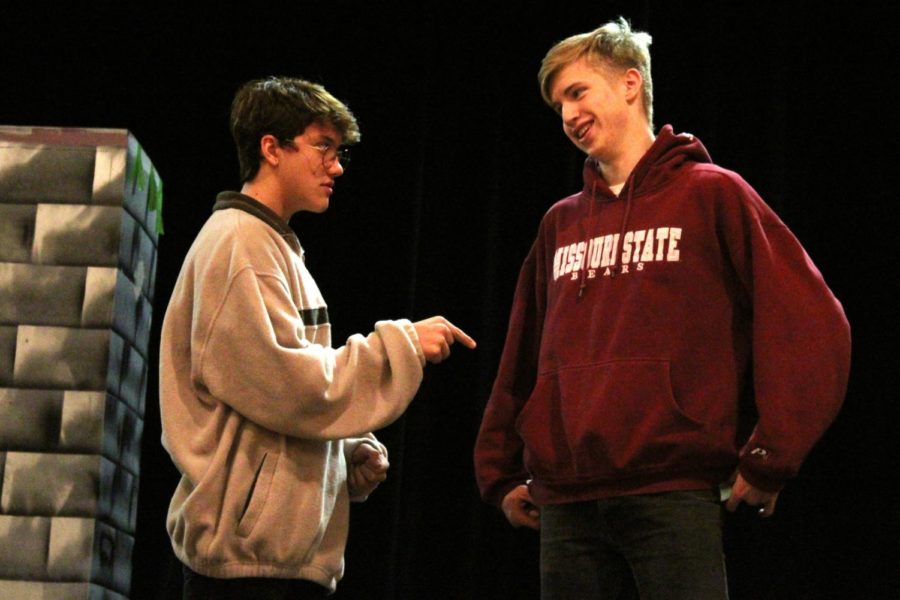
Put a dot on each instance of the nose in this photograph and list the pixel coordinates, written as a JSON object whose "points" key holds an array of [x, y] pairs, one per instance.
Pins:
{"points": [[335, 169], [569, 114]]}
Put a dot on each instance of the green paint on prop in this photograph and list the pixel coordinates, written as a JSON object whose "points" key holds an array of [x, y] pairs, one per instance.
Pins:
{"points": [[137, 170], [155, 199], [141, 180]]}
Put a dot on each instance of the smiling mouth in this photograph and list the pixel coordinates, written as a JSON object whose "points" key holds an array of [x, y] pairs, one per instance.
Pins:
{"points": [[583, 130]]}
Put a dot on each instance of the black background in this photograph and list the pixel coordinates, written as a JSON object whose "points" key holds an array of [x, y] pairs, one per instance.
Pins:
{"points": [[458, 162]]}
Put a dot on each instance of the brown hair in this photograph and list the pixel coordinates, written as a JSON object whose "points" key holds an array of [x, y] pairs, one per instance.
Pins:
{"points": [[283, 107]]}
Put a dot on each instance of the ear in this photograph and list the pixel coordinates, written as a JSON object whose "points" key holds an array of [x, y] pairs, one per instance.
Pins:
{"points": [[269, 149], [634, 84]]}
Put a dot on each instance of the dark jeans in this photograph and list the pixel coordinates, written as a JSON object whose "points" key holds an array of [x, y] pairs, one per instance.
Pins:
{"points": [[200, 587], [654, 546]]}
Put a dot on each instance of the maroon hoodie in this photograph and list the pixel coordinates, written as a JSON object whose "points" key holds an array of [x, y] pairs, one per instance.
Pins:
{"points": [[660, 339]]}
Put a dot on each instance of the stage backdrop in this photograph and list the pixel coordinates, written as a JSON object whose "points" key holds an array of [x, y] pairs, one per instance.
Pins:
{"points": [[459, 160]]}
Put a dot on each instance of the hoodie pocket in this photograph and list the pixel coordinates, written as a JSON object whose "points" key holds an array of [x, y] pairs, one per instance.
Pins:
{"points": [[606, 420], [258, 494], [540, 425]]}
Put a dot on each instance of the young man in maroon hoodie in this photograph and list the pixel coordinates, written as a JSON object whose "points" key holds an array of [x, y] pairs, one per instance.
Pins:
{"points": [[670, 345]]}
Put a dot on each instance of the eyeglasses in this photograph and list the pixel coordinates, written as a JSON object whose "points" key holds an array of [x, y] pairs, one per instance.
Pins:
{"points": [[330, 152]]}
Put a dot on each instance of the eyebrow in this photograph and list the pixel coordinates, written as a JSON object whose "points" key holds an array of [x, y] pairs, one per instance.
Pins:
{"points": [[555, 103], [574, 84], [327, 138]]}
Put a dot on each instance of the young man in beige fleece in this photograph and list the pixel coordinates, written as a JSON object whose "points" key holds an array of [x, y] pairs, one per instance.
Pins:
{"points": [[267, 423]]}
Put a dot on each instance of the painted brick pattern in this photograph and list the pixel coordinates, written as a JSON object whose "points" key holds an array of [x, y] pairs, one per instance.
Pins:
{"points": [[78, 240]]}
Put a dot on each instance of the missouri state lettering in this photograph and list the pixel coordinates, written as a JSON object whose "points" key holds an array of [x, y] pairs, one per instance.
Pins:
{"points": [[602, 253]]}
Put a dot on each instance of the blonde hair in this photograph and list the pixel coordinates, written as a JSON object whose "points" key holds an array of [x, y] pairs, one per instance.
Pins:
{"points": [[613, 45]]}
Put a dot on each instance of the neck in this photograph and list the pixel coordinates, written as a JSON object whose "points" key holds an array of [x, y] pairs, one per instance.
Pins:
{"points": [[263, 192], [635, 144]]}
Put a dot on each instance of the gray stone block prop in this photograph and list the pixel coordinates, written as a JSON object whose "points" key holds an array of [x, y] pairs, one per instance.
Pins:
{"points": [[79, 229]]}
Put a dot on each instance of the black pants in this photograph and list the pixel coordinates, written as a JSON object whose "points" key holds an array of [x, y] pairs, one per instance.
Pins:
{"points": [[200, 587], [666, 545]]}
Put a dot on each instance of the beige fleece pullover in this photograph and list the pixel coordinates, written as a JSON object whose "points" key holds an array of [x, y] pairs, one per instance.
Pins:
{"points": [[259, 412]]}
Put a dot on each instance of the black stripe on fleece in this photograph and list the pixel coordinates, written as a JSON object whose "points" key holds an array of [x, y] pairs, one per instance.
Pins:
{"points": [[314, 316]]}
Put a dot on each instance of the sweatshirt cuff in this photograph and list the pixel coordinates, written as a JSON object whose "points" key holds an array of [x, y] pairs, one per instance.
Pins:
{"points": [[372, 442], [760, 467], [500, 492], [760, 480], [414, 338]]}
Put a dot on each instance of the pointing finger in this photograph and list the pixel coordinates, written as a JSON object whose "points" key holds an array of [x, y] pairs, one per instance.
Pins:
{"points": [[461, 336]]}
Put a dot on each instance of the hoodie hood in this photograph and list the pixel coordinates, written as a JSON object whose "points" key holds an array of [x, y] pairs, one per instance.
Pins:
{"points": [[669, 153]]}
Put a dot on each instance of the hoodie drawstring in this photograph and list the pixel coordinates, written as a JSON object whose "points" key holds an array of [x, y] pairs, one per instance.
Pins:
{"points": [[617, 268], [583, 278]]}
